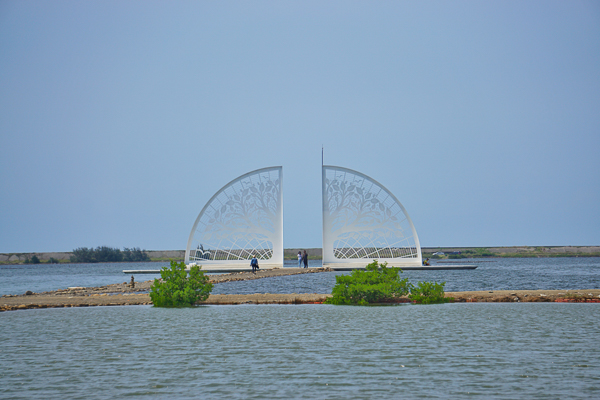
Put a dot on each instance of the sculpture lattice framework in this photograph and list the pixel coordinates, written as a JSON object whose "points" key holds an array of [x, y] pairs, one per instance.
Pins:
{"points": [[243, 219], [362, 221]]}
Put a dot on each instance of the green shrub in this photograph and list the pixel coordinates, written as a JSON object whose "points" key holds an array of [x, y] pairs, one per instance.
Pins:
{"points": [[53, 260], [177, 289], [32, 260], [376, 284], [429, 293]]}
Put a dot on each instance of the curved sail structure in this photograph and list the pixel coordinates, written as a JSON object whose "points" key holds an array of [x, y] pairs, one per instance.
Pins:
{"points": [[363, 221], [243, 219]]}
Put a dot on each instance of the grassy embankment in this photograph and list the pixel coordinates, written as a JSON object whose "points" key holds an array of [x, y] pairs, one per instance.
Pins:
{"points": [[511, 252]]}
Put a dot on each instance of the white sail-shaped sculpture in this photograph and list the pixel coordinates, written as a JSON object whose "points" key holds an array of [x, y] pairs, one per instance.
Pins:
{"points": [[363, 221], [243, 219]]}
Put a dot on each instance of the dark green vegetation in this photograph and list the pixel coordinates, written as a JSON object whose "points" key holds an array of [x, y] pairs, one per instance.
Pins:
{"points": [[379, 284], [178, 289], [32, 260], [429, 293], [108, 254], [376, 284]]}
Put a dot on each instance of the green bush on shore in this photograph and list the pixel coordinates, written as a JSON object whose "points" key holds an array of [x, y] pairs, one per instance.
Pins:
{"points": [[177, 289], [376, 284], [380, 284], [429, 293]]}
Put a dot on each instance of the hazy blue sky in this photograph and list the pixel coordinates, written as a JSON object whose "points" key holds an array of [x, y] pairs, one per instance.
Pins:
{"points": [[120, 119]]}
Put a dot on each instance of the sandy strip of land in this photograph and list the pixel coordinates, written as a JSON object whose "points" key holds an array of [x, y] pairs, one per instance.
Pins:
{"points": [[126, 299], [503, 296], [103, 299]]}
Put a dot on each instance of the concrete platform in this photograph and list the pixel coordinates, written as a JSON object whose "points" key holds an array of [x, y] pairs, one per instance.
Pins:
{"points": [[209, 270], [437, 267]]}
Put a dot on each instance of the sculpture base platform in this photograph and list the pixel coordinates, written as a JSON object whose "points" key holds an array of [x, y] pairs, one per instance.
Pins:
{"points": [[224, 270]]}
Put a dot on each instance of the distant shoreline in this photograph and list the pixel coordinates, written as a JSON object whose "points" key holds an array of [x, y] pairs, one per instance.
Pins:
{"points": [[316, 253]]}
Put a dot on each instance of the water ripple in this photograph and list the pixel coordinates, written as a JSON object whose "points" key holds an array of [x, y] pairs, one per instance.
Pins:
{"points": [[312, 351]]}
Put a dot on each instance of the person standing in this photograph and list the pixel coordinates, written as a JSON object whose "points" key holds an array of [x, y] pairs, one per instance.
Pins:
{"points": [[305, 259], [254, 264], [299, 259]]}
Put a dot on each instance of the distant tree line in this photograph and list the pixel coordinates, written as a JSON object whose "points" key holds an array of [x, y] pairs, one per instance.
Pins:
{"points": [[32, 260], [108, 254]]}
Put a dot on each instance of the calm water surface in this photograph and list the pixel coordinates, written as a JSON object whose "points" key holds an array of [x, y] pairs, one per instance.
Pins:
{"points": [[491, 351], [498, 351]]}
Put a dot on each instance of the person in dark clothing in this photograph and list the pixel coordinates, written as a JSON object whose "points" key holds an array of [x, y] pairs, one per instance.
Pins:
{"points": [[305, 259], [254, 264]]}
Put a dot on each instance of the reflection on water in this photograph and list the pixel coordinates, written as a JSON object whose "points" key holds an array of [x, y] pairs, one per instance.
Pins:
{"points": [[310, 351]]}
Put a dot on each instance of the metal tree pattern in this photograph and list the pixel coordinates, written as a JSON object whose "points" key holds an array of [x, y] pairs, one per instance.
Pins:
{"points": [[364, 220], [243, 219]]}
